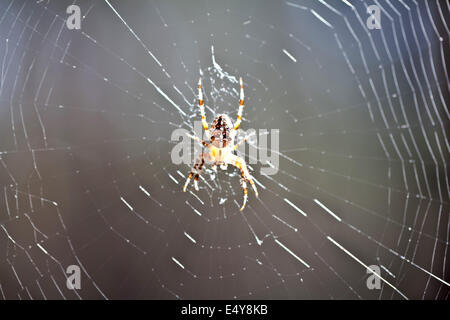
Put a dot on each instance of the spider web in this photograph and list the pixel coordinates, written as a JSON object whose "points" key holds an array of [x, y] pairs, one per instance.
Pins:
{"points": [[85, 150]]}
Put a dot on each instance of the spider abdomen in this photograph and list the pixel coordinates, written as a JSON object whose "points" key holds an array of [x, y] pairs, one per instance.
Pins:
{"points": [[220, 131]]}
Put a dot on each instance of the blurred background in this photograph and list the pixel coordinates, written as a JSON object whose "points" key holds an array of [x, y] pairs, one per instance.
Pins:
{"points": [[86, 118]]}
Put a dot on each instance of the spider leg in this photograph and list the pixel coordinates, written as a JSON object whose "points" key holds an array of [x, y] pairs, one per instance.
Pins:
{"points": [[241, 106], [196, 169], [242, 141], [187, 181], [199, 170], [201, 106], [205, 144], [244, 188], [245, 176]]}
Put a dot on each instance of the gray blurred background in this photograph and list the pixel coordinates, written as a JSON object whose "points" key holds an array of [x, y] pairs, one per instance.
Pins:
{"points": [[86, 118]]}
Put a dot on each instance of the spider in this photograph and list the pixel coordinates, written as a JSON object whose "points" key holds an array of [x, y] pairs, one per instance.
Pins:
{"points": [[221, 145]]}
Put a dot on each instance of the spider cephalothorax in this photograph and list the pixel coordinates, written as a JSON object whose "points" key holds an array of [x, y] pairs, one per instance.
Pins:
{"points": [[221, 145]]}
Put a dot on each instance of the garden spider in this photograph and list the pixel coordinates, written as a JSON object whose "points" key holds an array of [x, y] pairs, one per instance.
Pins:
{"points": [[221, 145]]}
